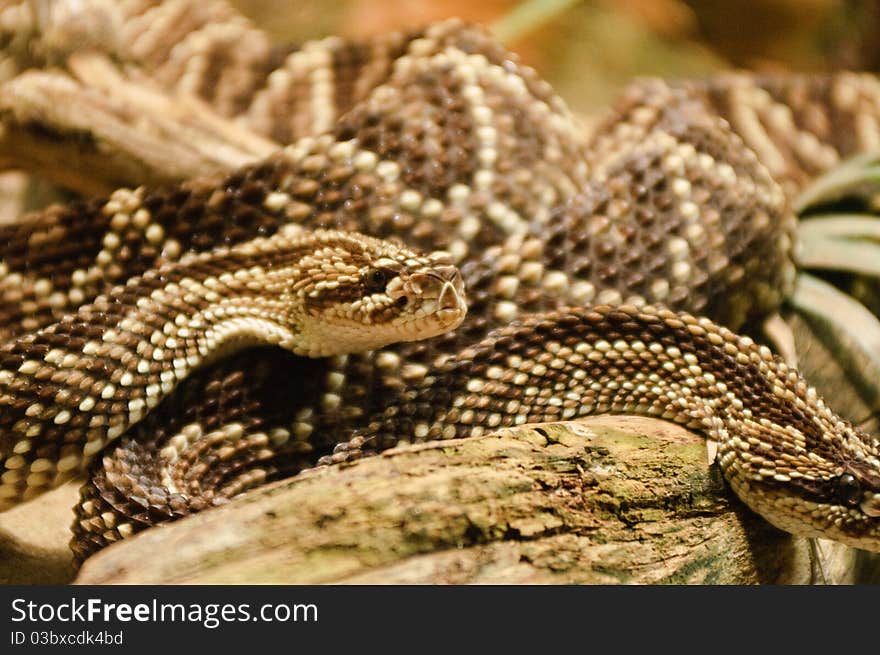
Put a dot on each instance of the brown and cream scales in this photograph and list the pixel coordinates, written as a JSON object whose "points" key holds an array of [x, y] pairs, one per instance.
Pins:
{"points": [[441, 140]]}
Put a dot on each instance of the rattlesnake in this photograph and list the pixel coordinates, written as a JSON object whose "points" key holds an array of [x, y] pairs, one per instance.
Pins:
{"points": [[584, 266]]}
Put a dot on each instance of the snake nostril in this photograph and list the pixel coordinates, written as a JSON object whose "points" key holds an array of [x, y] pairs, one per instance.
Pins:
{"points": [[448, 273]]}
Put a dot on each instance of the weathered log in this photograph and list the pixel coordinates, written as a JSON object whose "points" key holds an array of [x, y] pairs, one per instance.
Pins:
{"points": [[605, 500], [34, 539]]}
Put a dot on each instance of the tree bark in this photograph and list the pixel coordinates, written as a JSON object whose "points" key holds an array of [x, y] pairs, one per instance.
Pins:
{"points": [[604, 500]]}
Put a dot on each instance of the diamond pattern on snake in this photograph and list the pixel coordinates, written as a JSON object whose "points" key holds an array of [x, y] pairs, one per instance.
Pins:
{"points": [[607, 274]]}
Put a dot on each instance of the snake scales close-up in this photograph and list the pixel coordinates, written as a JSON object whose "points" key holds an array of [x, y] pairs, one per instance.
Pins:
{"points": [[154, 340]]}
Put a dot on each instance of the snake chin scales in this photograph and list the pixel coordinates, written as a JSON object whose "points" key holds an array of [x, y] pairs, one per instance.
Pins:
{"points": [[604, 273]]}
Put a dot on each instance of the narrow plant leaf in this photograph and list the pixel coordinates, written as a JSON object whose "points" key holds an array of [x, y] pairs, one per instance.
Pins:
{"points": [[859, 257], [853, 177], [849, 330], [863, 227]]}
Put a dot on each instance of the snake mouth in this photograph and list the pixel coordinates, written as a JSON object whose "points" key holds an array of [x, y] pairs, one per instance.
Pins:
{"points": [[451, 307], [440, 292], [451, 301]]}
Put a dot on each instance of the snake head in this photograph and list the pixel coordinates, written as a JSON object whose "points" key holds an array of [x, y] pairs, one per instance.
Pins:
{"points": [[851, 490], [359, 293], [823, 482]]}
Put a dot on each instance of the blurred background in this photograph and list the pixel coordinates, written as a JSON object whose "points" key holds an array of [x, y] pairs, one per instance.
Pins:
{"points": [[589, 48]]}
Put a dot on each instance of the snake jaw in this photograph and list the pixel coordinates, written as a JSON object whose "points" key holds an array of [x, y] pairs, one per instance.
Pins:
{"points": [[856, 527], [831, 500]]}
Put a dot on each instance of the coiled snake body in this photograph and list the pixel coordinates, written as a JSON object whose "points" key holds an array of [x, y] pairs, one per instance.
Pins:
{"points": [[579, 262]]}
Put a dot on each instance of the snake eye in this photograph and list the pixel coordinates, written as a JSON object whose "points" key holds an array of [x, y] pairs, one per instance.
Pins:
{"points": [[375, 280], [402, 302], [849, 491]]}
